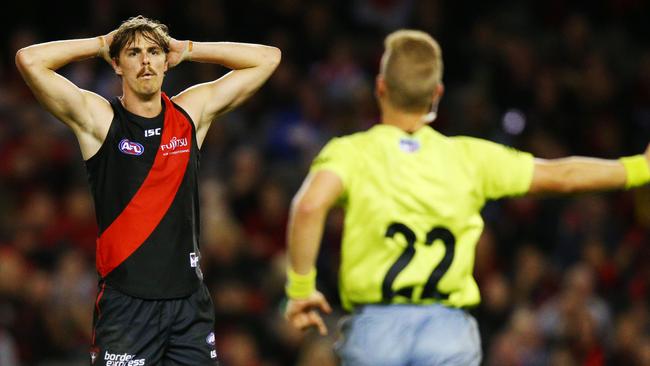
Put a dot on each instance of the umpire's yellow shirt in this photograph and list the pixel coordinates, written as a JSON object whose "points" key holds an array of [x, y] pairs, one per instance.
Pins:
{"points": [[412, 204]]}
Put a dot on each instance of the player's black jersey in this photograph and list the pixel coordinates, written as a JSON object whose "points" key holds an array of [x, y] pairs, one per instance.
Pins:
{"points": [[144, 184]]}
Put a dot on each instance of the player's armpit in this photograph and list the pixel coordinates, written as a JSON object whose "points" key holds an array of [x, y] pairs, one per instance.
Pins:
{"points": [[251, 66]]}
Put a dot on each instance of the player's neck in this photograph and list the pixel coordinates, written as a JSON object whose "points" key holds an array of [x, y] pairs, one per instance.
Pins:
{"points": [[146, 106], [406, 121]]}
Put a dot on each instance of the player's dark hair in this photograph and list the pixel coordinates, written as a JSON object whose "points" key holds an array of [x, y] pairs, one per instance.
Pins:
{"points": [[152, 30]]}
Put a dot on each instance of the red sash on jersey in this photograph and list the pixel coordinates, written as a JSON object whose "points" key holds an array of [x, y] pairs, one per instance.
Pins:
{"points": [[151, 202]]}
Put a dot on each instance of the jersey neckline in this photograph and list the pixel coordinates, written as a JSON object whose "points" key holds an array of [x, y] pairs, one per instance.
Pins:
{"points": [[140, 118]]}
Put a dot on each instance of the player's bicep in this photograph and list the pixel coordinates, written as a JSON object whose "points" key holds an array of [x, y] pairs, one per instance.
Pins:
{"points": [[233, 89], [60, 97], [207, 101], [547, 177]]}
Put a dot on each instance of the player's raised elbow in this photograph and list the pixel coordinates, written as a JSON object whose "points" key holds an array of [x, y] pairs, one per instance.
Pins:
{"points": [[272, 57], [24, 59], [29, 62]]}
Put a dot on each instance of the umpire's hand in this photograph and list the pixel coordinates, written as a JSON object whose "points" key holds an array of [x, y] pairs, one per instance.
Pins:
{"points": [[303, 313]]}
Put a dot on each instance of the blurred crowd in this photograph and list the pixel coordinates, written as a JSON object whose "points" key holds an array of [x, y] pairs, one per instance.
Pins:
{"points": [[564, 280]]}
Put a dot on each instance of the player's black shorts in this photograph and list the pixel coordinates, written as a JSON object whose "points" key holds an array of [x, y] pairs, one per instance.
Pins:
{"points": [[129, 331]]}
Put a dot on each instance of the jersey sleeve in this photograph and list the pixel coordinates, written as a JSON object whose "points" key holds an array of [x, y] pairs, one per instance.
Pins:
{"points": [[337, 156], [501, 171]]}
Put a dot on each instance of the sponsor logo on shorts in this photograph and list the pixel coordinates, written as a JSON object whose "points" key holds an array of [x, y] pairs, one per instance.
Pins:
{"points": [[130, 148], [213, 354], [122, 359]]}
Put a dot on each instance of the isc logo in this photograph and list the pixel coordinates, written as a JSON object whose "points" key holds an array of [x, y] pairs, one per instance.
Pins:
{"points": [[152, 132]]}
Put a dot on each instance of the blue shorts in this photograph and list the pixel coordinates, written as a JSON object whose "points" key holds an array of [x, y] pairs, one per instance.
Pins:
{"points": [[413, 335]]}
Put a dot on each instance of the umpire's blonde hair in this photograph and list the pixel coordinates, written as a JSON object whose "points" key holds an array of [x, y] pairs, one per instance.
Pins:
{"points": [[412, 69]]}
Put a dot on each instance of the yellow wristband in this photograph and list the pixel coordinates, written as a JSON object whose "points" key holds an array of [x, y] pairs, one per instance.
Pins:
{"points": [[300, 286], [638, 172]]}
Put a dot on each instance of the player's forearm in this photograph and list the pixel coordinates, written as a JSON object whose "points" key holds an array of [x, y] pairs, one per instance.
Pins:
{"points": [[588, 174], [304, 236], [307, 218], [54, 55], [235, 56], [578, 174]]}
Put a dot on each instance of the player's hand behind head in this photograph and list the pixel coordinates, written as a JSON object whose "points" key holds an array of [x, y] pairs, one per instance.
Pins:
{"points": [[304, 313], [104, 51], [179, 51]]}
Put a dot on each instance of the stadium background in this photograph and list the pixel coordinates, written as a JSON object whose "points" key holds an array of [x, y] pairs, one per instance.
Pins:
{"points": [[565, 281]]}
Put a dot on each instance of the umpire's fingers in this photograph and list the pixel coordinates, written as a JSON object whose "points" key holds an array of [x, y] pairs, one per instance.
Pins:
{"points": [[300, 320], [316, 320], [323, 304]]}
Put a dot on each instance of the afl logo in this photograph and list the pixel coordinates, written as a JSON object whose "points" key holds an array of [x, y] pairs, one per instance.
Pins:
{"points": [[130, 148], [409, 145], [210, 339]]}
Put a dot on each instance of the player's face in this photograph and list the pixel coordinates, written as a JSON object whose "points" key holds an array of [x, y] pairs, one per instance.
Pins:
{"points": [[142, 65]]}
